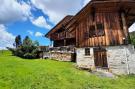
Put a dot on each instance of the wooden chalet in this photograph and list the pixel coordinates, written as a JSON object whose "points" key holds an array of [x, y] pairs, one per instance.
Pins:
{"points": [[59, 35], [100, 34]]}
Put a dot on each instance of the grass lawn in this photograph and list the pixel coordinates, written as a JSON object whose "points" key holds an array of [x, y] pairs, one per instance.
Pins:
{"points": [[17, 73]]}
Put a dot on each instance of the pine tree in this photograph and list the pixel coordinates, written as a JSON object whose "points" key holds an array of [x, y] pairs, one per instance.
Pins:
{"points": [[36, 43], [27, 41], [18, 41]]}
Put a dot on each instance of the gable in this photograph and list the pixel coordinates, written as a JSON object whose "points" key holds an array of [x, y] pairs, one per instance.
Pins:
{"points": [[63, 22], [128, 6]]}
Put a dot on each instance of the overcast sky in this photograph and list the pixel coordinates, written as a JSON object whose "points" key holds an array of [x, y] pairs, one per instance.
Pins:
{"points": [[33, 18]]}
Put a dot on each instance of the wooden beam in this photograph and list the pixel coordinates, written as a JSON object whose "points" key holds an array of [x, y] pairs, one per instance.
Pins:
{"points": [[124, 24], [64, 42], [130, 14]]}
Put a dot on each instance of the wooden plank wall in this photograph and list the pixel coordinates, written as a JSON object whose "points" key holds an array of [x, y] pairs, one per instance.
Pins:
{"points": [[113, 32]]}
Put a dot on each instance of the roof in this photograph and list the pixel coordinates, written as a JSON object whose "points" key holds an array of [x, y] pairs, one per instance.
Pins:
{"points": [[64, 21], [128, 5]]}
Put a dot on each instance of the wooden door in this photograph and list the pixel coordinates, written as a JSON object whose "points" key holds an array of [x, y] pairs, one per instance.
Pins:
{"points": [[100, 57]]}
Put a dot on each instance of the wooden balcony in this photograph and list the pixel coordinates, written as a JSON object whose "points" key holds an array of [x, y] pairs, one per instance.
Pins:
{"points": [[63, 49], [58, 36], [62, 36], [68, 36]]}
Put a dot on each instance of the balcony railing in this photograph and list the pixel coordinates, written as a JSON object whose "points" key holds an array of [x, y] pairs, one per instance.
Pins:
{"points": [[70, 36], [63, 49], [61, 36]]}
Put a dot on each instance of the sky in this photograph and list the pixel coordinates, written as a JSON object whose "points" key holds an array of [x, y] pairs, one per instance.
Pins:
{"points": [[34, 18]]}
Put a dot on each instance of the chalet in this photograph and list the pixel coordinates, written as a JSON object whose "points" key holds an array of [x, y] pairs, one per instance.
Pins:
{"points": [[63, 43], [99, 33]]}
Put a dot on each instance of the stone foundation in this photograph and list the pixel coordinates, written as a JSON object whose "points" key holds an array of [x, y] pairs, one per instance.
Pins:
{"points": [[121, 59], [60, 56], [84, 61]]}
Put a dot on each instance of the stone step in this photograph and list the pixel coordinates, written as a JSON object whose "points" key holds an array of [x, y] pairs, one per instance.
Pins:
{"points": [[104, 74], [102, 69]]}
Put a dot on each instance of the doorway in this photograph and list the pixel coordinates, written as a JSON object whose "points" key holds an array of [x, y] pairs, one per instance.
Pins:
{"points": [[100, 57]]}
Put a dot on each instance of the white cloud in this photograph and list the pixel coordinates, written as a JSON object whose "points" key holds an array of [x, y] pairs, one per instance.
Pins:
{"points": [[15, 10], [11, 10], [38, 34], [86, 2], [57, 9], [132, 28], [6, 38], [30, 32], [41, 22]]}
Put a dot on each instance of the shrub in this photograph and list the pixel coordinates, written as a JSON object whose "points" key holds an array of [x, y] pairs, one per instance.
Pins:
{"points": [[27, 50]]}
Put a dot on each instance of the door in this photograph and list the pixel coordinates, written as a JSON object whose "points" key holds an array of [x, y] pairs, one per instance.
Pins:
{"points": [[100, 57]]}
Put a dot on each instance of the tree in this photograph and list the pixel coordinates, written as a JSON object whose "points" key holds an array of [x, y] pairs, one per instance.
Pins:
{"points": [[28, 45], [132, 37], [28, 48], [18, 41], [36, 43], [133, 40], [27, 41]]}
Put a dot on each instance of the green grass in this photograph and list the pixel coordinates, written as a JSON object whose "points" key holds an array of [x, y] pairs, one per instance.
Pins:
{"points": [[17, 73]]}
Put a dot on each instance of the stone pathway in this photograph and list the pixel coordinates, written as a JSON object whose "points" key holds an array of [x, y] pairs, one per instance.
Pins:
{"points": [[104, 74]]}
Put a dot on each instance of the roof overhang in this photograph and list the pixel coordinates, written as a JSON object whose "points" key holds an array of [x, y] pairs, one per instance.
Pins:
{"points": [[63, 22], [127, 5]]}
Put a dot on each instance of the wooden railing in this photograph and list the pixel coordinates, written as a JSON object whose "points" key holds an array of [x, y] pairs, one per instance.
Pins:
{"points": [[70, 36], [61, 36], [62, 49]]}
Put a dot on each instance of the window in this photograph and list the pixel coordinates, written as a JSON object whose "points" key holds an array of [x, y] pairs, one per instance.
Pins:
{"points": [[92, 31], [99, 32], [86, 35], [100, 29], [87, 51]]}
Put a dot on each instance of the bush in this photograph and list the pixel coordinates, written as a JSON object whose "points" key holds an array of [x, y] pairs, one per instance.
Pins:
{"points": [[28, 55], [27, 50]]}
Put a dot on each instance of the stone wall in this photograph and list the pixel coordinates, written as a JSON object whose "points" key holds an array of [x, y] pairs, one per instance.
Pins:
{"points": [[121, 59], [84, 61], [59, 56]]}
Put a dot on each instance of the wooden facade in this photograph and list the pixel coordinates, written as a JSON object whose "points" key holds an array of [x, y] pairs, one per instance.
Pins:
{"points": [[99, 23], [102, 29], [59, 34]]}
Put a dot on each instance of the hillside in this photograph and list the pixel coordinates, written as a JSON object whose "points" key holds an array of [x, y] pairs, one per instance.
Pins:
{"points": [[17, 73]]}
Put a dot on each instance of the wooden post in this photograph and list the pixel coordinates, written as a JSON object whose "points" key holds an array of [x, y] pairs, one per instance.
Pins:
{"points": [[51, 43], [125, 28], [64, 42], [107, 41], [76, 36]]}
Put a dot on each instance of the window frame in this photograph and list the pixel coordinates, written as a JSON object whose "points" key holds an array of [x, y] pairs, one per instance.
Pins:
{"points": [[92, 31], [87, 51], [100, 29], [86, 35]]}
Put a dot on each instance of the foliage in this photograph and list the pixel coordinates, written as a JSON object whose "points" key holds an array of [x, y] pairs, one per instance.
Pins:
{"points": [[16, 73], [36, 43], [18, 41], [132, 37], [28, 49], [27, 41]]}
